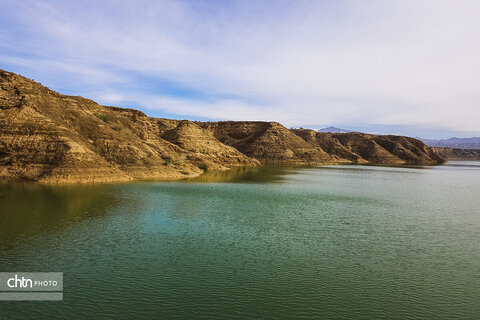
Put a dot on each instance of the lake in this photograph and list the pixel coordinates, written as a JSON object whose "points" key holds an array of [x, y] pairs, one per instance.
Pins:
{"points": [[335, 242]]}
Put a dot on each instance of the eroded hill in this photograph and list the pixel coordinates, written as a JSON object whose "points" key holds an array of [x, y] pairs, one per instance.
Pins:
{"points": [[457, 154], [49, 137]]}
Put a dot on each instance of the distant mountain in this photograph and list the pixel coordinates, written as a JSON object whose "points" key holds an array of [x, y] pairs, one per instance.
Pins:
{"points": [[333, 130], [461, 143]]}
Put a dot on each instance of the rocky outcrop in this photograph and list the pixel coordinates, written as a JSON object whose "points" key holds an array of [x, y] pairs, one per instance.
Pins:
{"points": [[457, 154], [269, 142], [374, 149], [49, 137]]}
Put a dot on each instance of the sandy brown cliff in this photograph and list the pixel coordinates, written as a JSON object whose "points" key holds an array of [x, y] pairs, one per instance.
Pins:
{"points": [[269, 142], [49, 137], [457, 154], [376, 149]]}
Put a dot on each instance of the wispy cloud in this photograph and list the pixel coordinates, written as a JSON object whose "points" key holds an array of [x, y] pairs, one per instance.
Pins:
{"points": [[356, 63]]}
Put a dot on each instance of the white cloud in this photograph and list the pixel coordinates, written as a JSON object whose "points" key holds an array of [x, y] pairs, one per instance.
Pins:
{"points": [[302, 62]]}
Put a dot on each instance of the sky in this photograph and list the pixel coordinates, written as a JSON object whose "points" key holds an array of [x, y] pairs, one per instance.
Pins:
{"points": [[381, 66]]}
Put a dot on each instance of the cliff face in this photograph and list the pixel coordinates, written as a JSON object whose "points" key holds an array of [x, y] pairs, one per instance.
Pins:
{"points": [[457, 154], [269, 142], [49, 137]]}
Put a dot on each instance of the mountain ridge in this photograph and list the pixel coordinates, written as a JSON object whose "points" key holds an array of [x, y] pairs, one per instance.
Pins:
{"points": [[49, 137], [333, 130], [454, 142], [457, 154]]}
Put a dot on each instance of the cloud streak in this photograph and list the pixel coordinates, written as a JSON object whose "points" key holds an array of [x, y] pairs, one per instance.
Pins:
{"points": [[391, 63]]}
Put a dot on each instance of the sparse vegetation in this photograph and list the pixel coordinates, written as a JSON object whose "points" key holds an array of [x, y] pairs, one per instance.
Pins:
{"points": [[116, 127], [203, 166], [176, 162], [102, 116]]}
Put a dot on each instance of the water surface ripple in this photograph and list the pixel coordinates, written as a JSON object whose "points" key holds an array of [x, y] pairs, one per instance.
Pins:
{"points": [[342, 242]]}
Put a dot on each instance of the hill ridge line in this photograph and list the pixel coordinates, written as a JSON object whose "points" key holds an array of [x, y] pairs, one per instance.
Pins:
{"points": [[49, 137]]}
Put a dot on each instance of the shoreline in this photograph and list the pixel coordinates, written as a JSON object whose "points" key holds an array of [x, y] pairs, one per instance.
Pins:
{"points": [[64, 182]]}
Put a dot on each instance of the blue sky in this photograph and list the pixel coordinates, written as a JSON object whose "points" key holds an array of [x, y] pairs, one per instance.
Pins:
{"points": [[405, 67]]}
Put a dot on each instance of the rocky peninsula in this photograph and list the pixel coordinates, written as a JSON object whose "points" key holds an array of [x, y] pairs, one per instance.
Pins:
{"points": [[49, 137]]}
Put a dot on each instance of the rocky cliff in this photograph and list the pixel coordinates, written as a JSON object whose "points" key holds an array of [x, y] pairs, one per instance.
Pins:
{"points": [[49, 137], [457, 154]]}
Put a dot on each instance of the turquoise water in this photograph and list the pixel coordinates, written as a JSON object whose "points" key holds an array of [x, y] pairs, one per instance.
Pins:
{"points": [[343, 242]]}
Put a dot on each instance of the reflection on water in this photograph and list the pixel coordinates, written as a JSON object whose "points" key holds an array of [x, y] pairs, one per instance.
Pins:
{"points": [[463, 164], [28, 208], [246, 174]]}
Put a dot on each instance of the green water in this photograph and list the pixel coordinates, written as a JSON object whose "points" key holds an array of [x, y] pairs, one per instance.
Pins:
{"points": [[345, 242]]}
